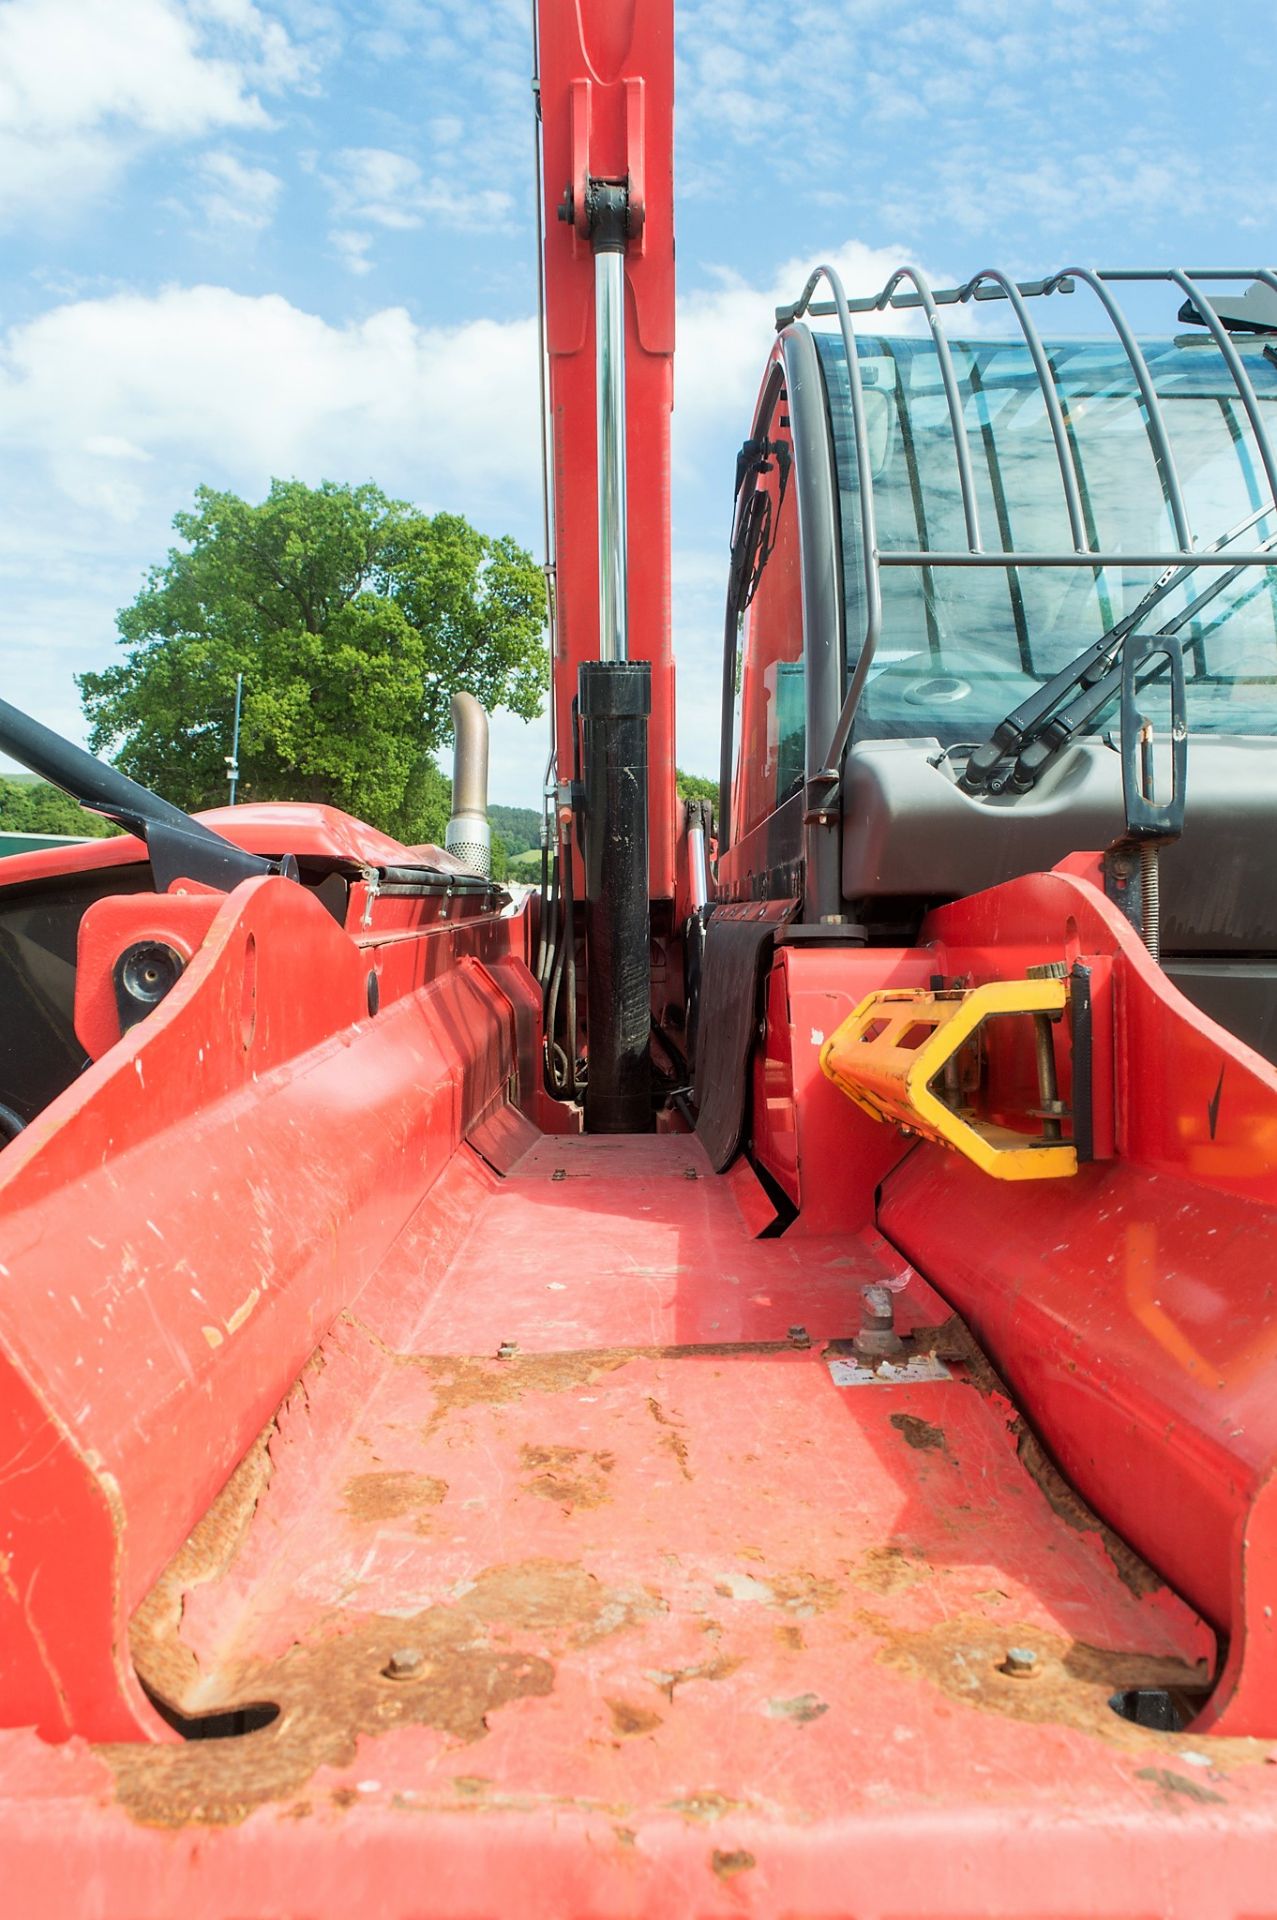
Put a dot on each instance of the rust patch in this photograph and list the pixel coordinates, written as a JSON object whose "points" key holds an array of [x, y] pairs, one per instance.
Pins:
{"points": [[569, 1476], [671, 1439], [1178, 1787], [791, 1638], [802, 1711], [720, 1669], [921, 1434], [628, 1720], [708, 1806], [461, 1383], [954, 1343], [799, 1592], [727, 1865], [167, 1665], [804, 1593], [889, 1569], [549, 1597], [333, 1689], [392, 1495], [1135, 1574], [1072, 1685]]}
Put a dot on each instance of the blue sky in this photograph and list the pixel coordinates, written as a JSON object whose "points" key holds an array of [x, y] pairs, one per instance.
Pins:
{"points": [[256, 237]]}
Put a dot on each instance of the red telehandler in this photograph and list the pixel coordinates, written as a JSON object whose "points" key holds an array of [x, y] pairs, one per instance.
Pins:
{"points": [[742, 1381]]}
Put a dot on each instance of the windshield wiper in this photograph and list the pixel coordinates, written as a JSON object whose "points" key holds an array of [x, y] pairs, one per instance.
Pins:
{"points": [[1023, 744]]}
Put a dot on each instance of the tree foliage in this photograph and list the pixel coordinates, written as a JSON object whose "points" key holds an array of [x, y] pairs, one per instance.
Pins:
{"points": [[353, 619], [695, 786], [519, 827], [33, 806]]}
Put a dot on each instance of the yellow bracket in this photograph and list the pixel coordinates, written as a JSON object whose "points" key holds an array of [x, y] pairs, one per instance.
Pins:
{"points": [[889, 1053]]}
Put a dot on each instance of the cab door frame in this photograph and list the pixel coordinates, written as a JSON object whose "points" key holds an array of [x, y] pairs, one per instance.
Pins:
{"points": [[791, 852]]}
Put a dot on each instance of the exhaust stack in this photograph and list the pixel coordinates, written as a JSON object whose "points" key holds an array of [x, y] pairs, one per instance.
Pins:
{"points": [[469, 837]]}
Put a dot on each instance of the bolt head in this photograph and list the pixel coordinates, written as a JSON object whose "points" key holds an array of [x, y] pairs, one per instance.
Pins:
{"points": [[1020, 1663], [878, 1309], [405, 1663]]}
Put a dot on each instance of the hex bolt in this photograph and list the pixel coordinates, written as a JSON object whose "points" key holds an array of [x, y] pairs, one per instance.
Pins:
{"points": [[405, 1663], [799, 1337], [1021, 1663], [879, 1308], [507, 1349]]}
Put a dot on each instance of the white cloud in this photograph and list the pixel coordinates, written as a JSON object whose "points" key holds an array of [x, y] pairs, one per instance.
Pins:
{"points": [[85, 86], [237, 388], [235, 197], [113, 409], [351, 248], [376, 187]]}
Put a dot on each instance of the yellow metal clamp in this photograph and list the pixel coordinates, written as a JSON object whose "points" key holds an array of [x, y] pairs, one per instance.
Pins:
{"points": [[888, 1055]]}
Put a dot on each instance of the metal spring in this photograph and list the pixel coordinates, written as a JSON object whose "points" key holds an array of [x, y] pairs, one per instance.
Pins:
{"points": [[1151, 900]]}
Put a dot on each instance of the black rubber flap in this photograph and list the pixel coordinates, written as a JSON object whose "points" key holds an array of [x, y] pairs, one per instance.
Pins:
{"points": [[737, 957]]}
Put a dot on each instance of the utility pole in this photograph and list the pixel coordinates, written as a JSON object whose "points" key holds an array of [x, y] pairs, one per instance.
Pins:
{"points": [[232, 758]]}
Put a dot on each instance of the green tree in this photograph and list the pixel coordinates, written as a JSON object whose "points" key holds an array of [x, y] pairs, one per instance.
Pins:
{"points": [[694, 786], [519, 827], [353, 618], [33, 806]]}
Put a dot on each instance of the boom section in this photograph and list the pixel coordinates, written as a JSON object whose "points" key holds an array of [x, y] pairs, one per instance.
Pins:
{"points": [[606, 92]]}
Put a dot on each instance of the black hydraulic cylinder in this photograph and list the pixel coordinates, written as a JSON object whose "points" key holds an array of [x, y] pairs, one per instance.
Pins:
{"points": [[615, 699]]}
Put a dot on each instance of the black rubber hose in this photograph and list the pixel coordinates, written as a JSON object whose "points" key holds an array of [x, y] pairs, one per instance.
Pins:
{"points": [[11, 1123]]}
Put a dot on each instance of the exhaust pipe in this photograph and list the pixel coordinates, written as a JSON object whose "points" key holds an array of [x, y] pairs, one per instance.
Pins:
{"points": [[469, 837]]}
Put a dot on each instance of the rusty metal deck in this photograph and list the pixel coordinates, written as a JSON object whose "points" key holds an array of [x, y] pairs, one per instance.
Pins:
{"points": [[654, 1583]]}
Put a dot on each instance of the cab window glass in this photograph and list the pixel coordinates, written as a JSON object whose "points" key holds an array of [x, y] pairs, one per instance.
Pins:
{"points": [[771, 700], [962, 646]]}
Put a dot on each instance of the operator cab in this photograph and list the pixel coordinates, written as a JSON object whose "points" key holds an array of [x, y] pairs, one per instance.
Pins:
{"points": [[872, 556]]}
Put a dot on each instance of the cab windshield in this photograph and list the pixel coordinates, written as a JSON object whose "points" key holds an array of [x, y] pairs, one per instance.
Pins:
{"points": [[962, 646]]}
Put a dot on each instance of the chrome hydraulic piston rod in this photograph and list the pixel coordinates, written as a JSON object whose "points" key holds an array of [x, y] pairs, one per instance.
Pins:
{"points": [[609, 364]]}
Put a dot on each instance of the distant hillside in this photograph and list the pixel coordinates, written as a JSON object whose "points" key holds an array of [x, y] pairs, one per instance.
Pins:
{"points": [[519, 827]]}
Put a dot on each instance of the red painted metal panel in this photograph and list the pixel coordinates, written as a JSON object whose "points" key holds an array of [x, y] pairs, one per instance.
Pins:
{"points": [[825, 1154], [180, 1228], [1131, 1307], [607, 107]]}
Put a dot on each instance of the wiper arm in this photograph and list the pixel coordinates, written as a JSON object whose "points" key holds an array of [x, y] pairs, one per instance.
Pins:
{"points": [[179, 847], [1074, 718], [1024, 743]]}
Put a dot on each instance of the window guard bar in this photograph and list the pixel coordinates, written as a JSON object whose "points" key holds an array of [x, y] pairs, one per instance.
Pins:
{"points": [[990, 284]]}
